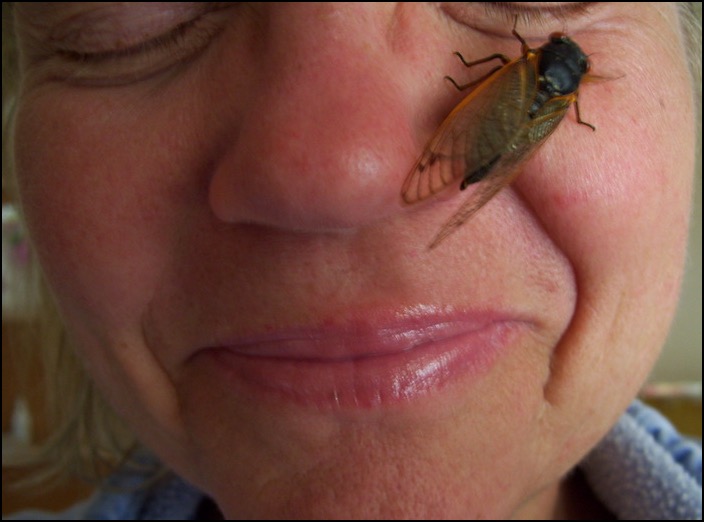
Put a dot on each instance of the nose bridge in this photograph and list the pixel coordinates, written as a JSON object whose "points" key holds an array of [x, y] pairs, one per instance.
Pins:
{"points": [[326, 139]]}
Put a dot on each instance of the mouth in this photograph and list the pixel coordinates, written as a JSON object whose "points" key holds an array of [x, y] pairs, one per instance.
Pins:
{"points": [[377, 360]]}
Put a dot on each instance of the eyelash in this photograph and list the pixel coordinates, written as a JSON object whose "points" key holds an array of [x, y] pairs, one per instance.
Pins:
{"points": [[535, 15], [144, 59], [158, 44]]}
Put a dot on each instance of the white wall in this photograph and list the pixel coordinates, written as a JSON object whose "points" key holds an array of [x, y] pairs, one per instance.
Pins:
{"points": [[682, 357]]}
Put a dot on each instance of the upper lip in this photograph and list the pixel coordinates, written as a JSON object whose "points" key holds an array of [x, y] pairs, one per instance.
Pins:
{"points": [[366, 337]]}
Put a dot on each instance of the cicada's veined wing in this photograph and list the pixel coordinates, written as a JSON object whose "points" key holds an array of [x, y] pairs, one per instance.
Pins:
{"points": [[477, 133], [532, 134], [486, 139]]}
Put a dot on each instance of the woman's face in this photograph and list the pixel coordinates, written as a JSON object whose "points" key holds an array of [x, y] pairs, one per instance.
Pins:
{"points": [[218, 212]]}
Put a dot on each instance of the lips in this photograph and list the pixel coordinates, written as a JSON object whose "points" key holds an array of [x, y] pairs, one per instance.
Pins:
{"points": [[367, 362]]}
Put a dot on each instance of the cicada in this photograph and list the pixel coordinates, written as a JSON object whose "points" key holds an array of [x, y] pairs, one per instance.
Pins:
{"points": [[510, 112]]}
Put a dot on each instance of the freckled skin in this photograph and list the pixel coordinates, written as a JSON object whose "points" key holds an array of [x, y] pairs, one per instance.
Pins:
{"points": [[258, 186]]}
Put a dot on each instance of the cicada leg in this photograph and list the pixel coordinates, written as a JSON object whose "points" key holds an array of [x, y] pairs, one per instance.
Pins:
{"points": [[475, 82], [579, 118], [495, 56]]}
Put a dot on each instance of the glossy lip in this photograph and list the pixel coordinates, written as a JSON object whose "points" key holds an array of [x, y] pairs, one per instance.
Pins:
{"points": [[368, 362]]}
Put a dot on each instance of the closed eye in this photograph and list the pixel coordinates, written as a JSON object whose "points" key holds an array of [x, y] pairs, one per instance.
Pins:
{"points": [[118, 66]]}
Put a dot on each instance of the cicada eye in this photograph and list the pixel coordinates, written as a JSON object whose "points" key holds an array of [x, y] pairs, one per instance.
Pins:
{"points": [[584, 64]]}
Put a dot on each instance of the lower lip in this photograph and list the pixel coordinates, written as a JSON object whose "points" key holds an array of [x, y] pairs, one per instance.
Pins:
{"points": [[389, 373]]}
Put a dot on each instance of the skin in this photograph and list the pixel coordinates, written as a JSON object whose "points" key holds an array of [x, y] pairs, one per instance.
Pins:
{"points": [[237, 190]]}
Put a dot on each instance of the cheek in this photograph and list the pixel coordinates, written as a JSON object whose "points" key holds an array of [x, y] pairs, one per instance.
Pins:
{"points": [[88, 191], [616, 203], [617, 200], [98, 195]]}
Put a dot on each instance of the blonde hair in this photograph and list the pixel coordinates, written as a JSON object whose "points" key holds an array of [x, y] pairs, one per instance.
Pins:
{"points": [[87, 438]]}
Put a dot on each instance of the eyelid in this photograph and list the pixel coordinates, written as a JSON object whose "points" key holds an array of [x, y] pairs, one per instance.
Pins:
{"points": [[535, 19], [151, 44], [116, 27], [124, 64], [528, 12]]}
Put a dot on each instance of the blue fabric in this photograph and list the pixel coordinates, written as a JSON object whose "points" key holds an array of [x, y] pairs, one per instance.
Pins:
{"points": [[642, 469]]}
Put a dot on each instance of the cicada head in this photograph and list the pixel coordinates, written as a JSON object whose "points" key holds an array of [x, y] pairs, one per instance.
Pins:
{"points": [[562, 64]]}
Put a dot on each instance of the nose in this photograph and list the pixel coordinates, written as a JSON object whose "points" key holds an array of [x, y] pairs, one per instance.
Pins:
{"points": [[324, 139]]}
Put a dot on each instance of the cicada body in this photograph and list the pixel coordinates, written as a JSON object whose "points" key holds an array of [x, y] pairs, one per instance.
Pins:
{"points": [[495, 129]]}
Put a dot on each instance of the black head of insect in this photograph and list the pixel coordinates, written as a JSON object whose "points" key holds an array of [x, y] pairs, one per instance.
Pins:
{"points": [[561, 65]]}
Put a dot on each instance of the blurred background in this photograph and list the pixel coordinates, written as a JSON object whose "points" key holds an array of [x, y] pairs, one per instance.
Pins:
{"points": [[682, 358]]}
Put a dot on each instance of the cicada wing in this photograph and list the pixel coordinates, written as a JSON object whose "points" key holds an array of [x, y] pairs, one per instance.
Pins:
{"points": [[528, 140], [484, 191], [476, 133], [546, 120]]}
